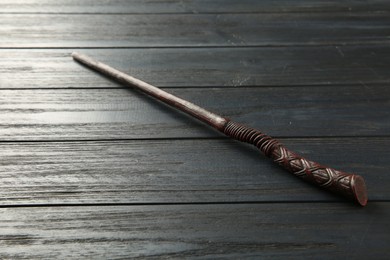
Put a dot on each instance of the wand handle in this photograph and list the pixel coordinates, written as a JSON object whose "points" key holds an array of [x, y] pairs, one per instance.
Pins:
{"points": [[348, 185]]}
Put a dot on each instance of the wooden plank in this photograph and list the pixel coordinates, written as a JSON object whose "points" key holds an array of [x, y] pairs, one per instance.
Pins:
{"points": [[187, 171], [188, 6], [95, 114], [293, 231], [309, 29], [211, 67]]}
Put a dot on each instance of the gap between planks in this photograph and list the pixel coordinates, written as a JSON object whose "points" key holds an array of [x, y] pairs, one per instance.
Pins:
{"points": [[195, 203]]}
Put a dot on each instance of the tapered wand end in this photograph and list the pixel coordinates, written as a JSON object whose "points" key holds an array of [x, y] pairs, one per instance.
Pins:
{"points": [[74, 55]]}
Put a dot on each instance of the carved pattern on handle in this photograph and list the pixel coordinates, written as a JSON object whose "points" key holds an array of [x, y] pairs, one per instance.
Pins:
{"points": [[349, 185]]}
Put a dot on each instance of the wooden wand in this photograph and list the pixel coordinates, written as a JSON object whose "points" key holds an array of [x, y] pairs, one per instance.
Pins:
{"points": [[349, 185]]}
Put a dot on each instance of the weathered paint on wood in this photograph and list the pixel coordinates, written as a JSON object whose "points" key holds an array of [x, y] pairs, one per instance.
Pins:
{"points": [[96, 114], [188, 6], [198, 30], [284, 230], [317, 70], [198, 67], [176, 171]]}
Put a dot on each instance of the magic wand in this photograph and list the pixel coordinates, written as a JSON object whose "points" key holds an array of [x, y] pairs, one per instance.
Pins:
{"points": [[349, 185]]}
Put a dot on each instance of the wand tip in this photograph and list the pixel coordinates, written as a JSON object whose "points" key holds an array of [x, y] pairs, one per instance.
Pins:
{"points": [[74, 55]]}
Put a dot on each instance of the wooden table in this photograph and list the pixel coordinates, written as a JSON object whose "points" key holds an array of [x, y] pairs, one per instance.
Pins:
{"points": [[92, 169]]}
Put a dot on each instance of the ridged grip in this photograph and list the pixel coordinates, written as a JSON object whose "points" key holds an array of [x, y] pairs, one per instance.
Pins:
{"points": [[348, 185]]}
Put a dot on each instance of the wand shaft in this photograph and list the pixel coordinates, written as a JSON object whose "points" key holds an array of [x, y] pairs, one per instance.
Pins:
{"points": [[349, 185], [200, 113]]}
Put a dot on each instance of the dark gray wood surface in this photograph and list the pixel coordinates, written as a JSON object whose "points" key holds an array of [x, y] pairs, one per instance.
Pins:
{"points": [[93, 169], [194, 30], [58, 114], [188, 6], [203, 67], [208, 231], [176, 171]]}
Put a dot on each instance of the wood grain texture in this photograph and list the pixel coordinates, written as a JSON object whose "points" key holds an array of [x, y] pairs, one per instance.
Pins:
{"points": [[95, 114], [77, 30], [90, 169], [209, 67], [197, 231], [173, 171], [188, 6]]}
